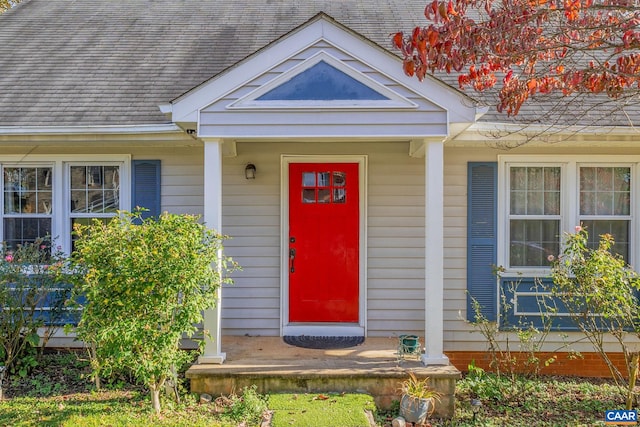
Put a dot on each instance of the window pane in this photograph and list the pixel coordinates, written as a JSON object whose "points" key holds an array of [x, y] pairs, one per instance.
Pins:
{"points": [[605, 191], [25, 230], [338, 179], [83, 221], [535, 179], [95, 189], [618, 229], [535, 203], [533, 241], [535, 190], [27, 190]]}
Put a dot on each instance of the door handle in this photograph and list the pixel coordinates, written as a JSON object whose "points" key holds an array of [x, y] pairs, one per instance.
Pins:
{"points": [[292, 258]]}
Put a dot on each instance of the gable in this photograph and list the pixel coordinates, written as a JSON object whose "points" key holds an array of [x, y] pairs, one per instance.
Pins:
{"points": [[321, 81]]}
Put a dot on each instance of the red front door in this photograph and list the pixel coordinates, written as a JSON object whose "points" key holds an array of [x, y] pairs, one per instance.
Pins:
{"points": [[323, 242]]}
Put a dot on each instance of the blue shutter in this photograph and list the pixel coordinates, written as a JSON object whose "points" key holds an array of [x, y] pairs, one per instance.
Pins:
{"points": [[481, 238], [145, 184]]}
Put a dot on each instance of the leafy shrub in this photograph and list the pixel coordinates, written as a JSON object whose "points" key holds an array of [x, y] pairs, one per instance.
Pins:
{"points": [[31, 279], [146, 283]]}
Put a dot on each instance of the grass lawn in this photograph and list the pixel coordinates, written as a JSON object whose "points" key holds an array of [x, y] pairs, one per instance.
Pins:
{"points": [[59, 393], [326, 410]]}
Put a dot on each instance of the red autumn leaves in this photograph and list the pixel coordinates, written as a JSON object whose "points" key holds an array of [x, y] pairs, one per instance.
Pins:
{"points": [[529, 46]]}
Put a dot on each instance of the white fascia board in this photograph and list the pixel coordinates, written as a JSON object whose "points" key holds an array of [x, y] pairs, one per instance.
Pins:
{"points": [[58, 130], [325, 138], [536, 129]]}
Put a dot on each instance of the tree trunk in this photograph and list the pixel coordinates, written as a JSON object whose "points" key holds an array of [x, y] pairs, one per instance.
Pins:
{"points": [[633, 376], [155, 398]]}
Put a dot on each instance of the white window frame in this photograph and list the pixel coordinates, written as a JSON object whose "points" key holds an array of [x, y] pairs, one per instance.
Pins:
{"points": [[569, 200], [61, 165]]}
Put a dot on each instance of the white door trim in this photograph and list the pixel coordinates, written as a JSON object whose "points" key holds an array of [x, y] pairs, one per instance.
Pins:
{"points": [[322, 329]]}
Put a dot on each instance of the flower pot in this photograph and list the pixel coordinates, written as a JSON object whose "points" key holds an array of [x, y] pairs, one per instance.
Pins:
{"points": [[415, 410], [409, 343]]}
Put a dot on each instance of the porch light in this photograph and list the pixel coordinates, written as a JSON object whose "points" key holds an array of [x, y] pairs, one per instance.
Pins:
{"points": [[250, 171]]}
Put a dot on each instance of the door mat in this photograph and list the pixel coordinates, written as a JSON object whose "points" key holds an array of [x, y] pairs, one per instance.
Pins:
{"points": [[322, 343]]}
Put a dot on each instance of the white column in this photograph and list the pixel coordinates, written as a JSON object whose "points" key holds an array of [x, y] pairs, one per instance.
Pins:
{"points": [[434, 254], [213, 219]]}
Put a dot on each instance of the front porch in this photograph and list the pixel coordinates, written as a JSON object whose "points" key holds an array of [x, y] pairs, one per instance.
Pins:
{"points": [[275, 366]]}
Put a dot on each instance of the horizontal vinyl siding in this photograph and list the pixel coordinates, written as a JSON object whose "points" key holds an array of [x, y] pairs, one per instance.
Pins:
{"points": [[181, 167], [396, 283], [455, 246], [251, 217], [458, 335], [395, 255]]}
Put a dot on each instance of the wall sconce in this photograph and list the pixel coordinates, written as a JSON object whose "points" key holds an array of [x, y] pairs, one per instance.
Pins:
{"points": [[250, 171]]}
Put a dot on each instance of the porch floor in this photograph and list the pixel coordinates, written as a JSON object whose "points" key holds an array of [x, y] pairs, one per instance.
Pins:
{"points": [[273, 365]]}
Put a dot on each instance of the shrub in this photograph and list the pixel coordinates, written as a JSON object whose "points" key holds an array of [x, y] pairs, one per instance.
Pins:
{"points": [[31, 279], [146, 283], [600, 292]]}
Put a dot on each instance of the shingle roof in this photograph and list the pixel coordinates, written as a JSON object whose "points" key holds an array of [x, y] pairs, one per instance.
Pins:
{"points": [[89, 62], [96, 62]]}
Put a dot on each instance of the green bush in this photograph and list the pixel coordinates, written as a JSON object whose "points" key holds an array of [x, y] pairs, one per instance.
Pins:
{"points": [[146, 283], [31, 278]]}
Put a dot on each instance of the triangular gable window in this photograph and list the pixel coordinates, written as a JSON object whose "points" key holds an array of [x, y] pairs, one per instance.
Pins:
{"points": [[323, 81]]}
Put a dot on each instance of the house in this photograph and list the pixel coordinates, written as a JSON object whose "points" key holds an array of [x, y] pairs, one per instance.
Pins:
{"points": [[360, 201]]}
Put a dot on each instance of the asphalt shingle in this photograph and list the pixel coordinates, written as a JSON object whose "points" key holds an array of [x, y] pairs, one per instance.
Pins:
{"points": [[96, 62]]}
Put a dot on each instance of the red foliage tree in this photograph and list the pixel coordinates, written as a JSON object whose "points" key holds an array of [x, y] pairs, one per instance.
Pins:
{"points": [[531, 47]]}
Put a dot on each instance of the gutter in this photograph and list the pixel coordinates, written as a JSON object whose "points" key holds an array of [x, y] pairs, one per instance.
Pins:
{"points": [[99, 129]]}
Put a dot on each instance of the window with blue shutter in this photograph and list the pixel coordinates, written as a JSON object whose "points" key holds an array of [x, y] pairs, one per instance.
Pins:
{"points": [[145, 184], [482, 238]]}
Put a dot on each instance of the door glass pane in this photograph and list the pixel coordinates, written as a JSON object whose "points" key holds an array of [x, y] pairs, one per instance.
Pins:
{"points": [[308, 179], [309, 195], [323, 179], [338, 179], [324, 195], [339, 195]]}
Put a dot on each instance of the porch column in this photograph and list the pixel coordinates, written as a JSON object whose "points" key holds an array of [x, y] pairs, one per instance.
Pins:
{"points": [[213, 219], [434, 253]]}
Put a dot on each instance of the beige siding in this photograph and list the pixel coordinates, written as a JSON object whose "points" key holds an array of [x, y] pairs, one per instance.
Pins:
{"points": [[458, 335], [181, 166], [395, 252]]}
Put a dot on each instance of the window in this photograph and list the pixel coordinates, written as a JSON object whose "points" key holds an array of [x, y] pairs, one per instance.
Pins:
{"points": [[47, 196], [544, 197], [534, 214], [94, 193], [28, 204], [323, 187], [605, 205]]}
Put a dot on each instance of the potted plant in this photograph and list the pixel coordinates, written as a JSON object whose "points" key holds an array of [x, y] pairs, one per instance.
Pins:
{"points": [[418, 399]]}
